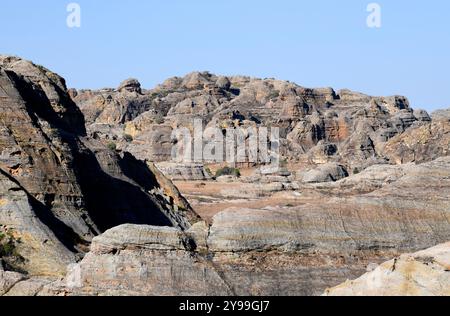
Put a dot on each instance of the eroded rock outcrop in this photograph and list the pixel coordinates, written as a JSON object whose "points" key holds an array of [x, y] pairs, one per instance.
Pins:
{"points": [[425, 273], [317, 126], [325, 173], [300, 250], [420, 144], [60, 188], [144, 260], [89, 200]]}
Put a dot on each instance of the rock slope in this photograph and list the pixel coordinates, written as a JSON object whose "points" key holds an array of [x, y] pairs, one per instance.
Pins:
{"points": [[425, 273], [75, 197], [338, 231], [317, 126], [58, 187]]}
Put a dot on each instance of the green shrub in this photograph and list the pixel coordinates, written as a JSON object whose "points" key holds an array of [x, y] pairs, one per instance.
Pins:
{"points": [[227, 171], [159, 119], [274, 94], [208, 171], [9, 255], [8, 245], [128, 138], [112, 146], [283, 163]]}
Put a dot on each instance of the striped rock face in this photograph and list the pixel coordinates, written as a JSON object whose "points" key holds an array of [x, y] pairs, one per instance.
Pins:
{"points": [[60, 188], [425, 273]]}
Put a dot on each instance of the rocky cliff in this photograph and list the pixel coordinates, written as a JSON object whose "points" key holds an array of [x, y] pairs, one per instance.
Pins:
{"points": [[317, 126], [425, 273], [58, 187], [339, 231], [79, 193]]}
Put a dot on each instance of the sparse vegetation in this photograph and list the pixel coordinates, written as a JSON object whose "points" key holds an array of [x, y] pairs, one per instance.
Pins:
{"points": [[274, 94], [112, 146], [228, 171], [209, 172], [8, 249], [159, 118], [283, 163], [128, 138]]}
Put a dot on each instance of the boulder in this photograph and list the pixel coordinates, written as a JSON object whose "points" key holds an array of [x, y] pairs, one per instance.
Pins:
{"points": [[326, 173], [130, 85], [223, 83]]}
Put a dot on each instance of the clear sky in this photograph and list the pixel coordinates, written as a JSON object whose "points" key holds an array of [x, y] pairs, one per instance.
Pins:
{"points": [[313, 43]]}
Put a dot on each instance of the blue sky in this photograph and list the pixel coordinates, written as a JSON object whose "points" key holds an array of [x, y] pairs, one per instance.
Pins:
{"points": [[313, 43]]}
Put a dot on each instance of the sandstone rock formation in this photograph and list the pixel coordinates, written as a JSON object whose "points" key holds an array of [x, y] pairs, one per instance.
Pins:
{"points": [[298, 250], [441, 115], [144, 260], [317, 126], [184, 171], [85, 191], [422, 143], [425, 273], [58, 187]]}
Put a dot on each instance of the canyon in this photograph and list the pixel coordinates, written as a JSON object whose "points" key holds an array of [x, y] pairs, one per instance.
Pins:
{"points": [[92, 204]]}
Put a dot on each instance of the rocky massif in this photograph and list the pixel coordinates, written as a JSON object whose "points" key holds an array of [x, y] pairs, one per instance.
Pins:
{"points": [[79, 192], [60, 188], [317, 126]]}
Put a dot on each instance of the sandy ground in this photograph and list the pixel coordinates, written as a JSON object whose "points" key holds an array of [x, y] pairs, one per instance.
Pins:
{"points": [[207, 197]]}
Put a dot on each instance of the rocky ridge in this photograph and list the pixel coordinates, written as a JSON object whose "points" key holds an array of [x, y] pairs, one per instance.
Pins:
{"points": [[74, 197], [317, 126], [339, 231]]}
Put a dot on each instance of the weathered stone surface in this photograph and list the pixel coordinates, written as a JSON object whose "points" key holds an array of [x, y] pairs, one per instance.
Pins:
{"points": [[317, 126], [113, 220], [374, 219], [425, 273], [44, 252], [420, 144], [180, 171], [130, 85], [29, 287], [8, 280], [143, 260], [326, 173], [441, 115], [58, 187], [223, 83], [299, 250]]}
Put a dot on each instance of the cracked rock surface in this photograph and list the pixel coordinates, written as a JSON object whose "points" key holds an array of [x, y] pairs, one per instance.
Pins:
{"points": [[425, 273]]}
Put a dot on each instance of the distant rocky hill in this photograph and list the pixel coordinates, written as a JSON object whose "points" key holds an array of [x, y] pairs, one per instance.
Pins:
{"points": [[317, 126]]}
